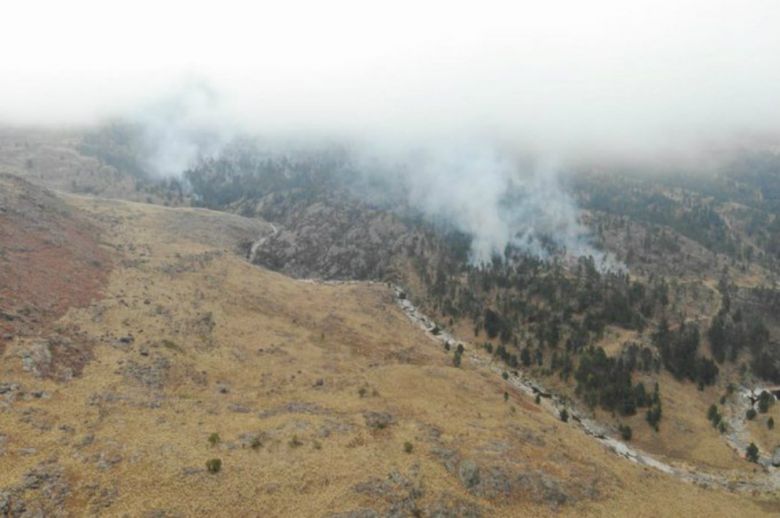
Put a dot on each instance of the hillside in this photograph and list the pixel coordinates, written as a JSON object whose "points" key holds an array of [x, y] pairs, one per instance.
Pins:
{"points": [[312, 389]]}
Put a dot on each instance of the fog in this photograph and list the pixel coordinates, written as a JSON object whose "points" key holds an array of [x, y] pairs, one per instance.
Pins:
{"points": [[471, 85]]}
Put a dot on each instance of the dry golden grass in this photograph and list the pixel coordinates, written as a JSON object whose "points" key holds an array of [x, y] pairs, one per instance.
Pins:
{"points": [[202, 318]]}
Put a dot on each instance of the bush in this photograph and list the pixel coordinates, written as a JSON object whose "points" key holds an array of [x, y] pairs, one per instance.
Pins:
{"points": [[214, 439], [295, 442], [625, 432], [214, 465], [770, 423], [564, 415], [751, 453], [750, 414], [538, 399], [653, 415], [457, 359], [765, 400], [408, 447], [714, 416]]}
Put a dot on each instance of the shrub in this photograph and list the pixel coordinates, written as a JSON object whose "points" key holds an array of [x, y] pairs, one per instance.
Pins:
{"points": [[538, 399], [408, 447], [214, 439], [506, 396], [714, 416], [362, 392], [750, 414], [456, 359], [765, 400], [505, 375], [295, 442], [751, 453], [653, 415], [625, 432], [770, 423], [214, 465], [256, 443], [564, 415]]}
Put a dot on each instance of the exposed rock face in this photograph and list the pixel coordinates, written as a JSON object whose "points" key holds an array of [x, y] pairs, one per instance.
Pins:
{"points": [[58, 357], [42, 492]]}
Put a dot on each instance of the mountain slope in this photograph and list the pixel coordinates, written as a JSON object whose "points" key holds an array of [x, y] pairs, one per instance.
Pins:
{"points": [[313, 390]]}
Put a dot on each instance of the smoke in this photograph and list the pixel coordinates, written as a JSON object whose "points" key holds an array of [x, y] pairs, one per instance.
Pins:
{"points": [[497, 197], [181, 128], [446, 92]]}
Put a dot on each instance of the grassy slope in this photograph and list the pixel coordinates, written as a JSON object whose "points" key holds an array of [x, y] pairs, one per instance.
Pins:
{"points": [[269, 339]]}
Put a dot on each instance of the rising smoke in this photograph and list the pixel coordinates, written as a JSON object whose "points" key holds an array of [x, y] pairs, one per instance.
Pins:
{"points": [[441, 94]]}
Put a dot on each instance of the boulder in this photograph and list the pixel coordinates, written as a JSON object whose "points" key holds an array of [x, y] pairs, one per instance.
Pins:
{"points": [[776, 457], [468, 472]]}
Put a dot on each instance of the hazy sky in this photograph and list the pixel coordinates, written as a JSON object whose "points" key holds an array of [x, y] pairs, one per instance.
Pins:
{"points": [[595, 75]]}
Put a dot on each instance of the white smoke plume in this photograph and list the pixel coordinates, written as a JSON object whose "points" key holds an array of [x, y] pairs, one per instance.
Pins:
{"points": [[495, 197], [180, 128], [599, 81]]}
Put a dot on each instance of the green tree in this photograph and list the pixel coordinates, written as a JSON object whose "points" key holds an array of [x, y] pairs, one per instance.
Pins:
{"points": [[751, 453], [214, 465]]}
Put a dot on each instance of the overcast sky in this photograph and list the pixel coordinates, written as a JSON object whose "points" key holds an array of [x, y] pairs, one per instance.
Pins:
{"points": [[603, 75]]}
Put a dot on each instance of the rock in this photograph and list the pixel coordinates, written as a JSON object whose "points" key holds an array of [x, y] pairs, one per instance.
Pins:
{"points": [[241, 409], [449, 506], [447, 456], [776, 457], [378, 420], [126, 340], [252, 440], [6, 388], [152, 376], [86, 440], [374, 487], [358, 513], [106, 461], [468, 472], [543, 488]]}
